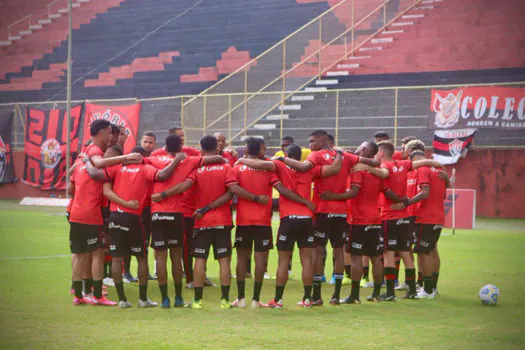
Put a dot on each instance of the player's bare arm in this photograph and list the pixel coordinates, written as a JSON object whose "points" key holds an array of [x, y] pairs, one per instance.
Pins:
{"points": [[213, 160], [422, 195], [219, 202], [443, 175], [93, 172], [242, 193], [113, 197], [175, 190], [72, 169], [165, 173], [132, 158], [426, 162], [381, 173], [331, 196], [258, 164], [291, 195], [70, 190], [369, 161], [335, 167], [298, 165], [392, 196]]}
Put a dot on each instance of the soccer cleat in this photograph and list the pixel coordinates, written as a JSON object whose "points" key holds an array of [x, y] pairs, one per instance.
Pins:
{"points": [[396, 284], [88, 296], [368, 284], [335, 301], [272, 304], [179, 302], [332, 280], [424, 295], [189, 285], [240, 303], [166, 304], [305, 303], [363, 282], [373, 298], [346, 281], [195, 304], [350, 300], [435, 292], [225, 304], [267, 276], [258, 304], [152, 278], [410, 296], [124, 304], [103, 301], [104, 294], [108, 282], [385, 297], [209, 283], [80, 301], [128, 278], [318, 302], [403, 286], [147, 303], [72, 291]]}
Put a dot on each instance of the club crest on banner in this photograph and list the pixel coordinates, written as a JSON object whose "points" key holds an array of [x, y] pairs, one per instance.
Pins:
{"points": [[455, 147], [51, 153], [447, 109]]}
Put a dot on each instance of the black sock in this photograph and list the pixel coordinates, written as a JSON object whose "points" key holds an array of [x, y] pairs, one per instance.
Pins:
{"points": [[377, 289], [410, 279], [127, 263], [107, 269], [77, 287], [390, 276], [178, 290], [290, 266], [143, 292], [420, 279], [97, 289], [435, 277], [348, 270], [428, 283], [72, 284], [198, 293], [88, 284], [354, 293], [120, 291], [163, 290], [225, 292], [338, 284], [333, 264], [257, 286], [317, 287], [241, 286], [279, 290], [307, 292], [366, 272], [249, 265]]}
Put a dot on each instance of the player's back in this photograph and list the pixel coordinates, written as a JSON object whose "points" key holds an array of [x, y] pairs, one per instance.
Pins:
{"points": [[397, 182], [432, 209], [301, 183], [364, 207], [85, 207]]}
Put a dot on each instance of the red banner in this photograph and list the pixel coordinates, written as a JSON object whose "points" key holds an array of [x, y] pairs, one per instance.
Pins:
{"points": [[126, 116], [465, 216], [478, 107], [45, 146]]}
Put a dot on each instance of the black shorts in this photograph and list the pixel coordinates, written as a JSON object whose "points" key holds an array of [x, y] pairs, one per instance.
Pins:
{"points": [[189, 223], [167, 230], [293, 229], [220, 237], [427, 236], [126, 235], [146, 220], [247, 237], [84, 238], [365, 240], [331, 227], [396, 236], [412, 228]]}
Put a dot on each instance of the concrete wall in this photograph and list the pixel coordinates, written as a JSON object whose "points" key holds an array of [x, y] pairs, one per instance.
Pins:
{"points": [[496, 175]]}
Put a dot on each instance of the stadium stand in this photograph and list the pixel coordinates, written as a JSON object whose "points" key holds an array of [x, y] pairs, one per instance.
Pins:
{"points": [[206, 36]]}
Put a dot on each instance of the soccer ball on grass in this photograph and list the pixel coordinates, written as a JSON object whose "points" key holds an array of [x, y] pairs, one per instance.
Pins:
{"points": [[489, 294]]}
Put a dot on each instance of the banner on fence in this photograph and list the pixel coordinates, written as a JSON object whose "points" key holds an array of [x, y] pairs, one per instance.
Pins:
{"points": [[45, 146], [478, 107], [7, 171], [123, 115], [450, 145]]}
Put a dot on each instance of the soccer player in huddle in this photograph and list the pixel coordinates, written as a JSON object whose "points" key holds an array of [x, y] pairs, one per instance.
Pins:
{"points": [[86, 215], [330, 216], [296, 218]]}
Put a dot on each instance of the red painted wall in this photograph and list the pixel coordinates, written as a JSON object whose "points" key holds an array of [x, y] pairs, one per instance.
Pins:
{"points": [[496, 175]]}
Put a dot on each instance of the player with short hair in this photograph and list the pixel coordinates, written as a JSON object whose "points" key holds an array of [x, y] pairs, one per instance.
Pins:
{"points": [[148, 141], [86, 216], [167, 221], [330, 217], [230, 155], [178, 131], [296, 219], [286, 142], [429, 222]]}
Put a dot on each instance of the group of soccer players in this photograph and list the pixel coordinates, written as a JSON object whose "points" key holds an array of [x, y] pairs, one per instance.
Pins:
{"points": [[375, 204]]}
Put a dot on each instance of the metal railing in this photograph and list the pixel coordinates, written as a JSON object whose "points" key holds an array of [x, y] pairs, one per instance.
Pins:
{"points": [[335, 35], [33, 18]]}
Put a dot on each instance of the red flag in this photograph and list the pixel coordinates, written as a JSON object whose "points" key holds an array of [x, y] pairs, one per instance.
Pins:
{"points": [[124, 115]]}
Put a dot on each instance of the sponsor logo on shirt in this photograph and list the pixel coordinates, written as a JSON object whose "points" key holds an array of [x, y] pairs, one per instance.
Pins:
{"points": [[402, 222], [210, 168], [156, 217], [299, 217], [336, 216], [112, 225], [245, 167], [438, 227], [211, 228], [125, 169]]}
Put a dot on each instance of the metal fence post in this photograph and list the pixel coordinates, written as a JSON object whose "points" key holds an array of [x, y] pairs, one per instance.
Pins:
{"points": [[337, 118], [230, 118], [395, 115], [245, 101], [15, 127], [283, 90], [204, 114], [320, 45], [182, 112]]}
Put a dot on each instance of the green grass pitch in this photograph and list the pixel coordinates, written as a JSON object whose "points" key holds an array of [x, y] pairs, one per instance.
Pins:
{"points": [[36, 309]]}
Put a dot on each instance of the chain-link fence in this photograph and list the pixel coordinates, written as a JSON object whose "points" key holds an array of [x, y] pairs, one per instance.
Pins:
{"points": [[351, 115]]}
